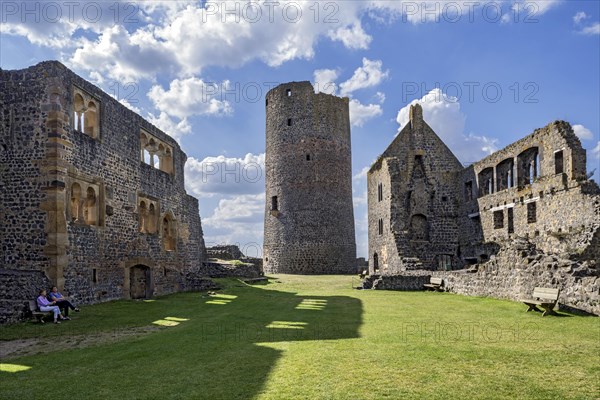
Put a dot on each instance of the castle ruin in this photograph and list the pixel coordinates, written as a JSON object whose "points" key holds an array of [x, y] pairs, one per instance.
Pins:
{"points": [[93, 197], [524, 216], [309, 217]]}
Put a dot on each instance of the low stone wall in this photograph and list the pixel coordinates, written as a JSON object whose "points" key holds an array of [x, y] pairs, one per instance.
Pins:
{"points": [[217, 270], [513, 274], [413, 280], [228, 252], [19, 286], [578, 285]]}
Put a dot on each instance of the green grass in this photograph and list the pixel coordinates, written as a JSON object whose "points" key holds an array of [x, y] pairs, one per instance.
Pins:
{"points": [[304, 337]]}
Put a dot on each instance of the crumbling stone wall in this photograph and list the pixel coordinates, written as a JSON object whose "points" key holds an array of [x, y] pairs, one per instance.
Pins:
{"points": [[226, 270], [230, 252], [534, 191], [512, 274], [52, 162], [309, 218], [555, 208], [535, 188]]}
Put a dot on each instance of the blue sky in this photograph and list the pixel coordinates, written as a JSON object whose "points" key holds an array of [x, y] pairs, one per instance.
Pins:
{"points": [[486, 73]]}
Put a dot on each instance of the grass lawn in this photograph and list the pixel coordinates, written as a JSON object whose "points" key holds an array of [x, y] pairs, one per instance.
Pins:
{"points": [[305, 337]]}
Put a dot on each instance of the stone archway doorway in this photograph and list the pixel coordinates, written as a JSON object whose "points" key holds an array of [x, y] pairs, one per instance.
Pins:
{"points": [[140, 282]]}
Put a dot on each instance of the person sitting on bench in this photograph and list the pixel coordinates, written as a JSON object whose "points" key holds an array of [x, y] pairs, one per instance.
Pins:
{"points": [[45, 305], [61, 301]]}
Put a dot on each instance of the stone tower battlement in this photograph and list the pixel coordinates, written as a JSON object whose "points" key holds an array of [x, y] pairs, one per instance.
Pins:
{"points": [[309, 218]]}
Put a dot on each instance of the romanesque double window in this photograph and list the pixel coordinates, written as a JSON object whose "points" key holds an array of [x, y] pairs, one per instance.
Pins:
{"points": [[86, 113], [168, 233], [156, 153], [84, 204], [521, 170], [149, 219], [148, 211]]}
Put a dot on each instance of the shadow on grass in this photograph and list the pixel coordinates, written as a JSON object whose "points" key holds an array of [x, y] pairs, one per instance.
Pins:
{"points": [[218, 347]]}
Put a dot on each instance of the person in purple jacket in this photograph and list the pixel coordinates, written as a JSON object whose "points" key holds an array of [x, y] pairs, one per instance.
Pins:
{"points": [[46, 305]]}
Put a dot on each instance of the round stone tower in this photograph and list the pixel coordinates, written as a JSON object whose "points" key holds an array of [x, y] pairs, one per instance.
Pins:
{"points": [[309, 218]]}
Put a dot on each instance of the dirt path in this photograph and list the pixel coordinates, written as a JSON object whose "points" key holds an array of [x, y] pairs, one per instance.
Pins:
{"points": [[26, 347]]}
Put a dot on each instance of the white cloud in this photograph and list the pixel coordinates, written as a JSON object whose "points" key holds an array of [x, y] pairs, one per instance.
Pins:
{"points": [[123, 56], [170, 127], [380, 96], [237, 220], [596, 150], [225, 175], [189, 97], [353, 36], [168, 41], [369, 75], [443, 114], [580, 16], [239, 185], [324, 80], [593, 29], [582, 132], [133, 108], [360, 113], [362, 173], [184, 37]]}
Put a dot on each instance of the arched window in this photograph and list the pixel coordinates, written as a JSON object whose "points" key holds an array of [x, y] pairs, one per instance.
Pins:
{"points": [[152, 217], [143, 211], [143, 144], [528, 166], [76, 203], [89, 211], [78, 112], [168, 233], [161, 155], [91, 120], [167, 165]]}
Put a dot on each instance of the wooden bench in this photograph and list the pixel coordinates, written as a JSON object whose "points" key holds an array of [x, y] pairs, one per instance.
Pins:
{"points": [[435, 284], [545, 298], [36, 313]]}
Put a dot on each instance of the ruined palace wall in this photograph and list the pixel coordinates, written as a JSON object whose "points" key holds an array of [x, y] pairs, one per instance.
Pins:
{"points": [[556, 207], [88, 246], [113, 161]]}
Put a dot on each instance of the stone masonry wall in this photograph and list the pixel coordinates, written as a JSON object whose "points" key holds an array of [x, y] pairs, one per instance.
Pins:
{"points": [[19, 286], [309, 217], [513, 274], [45, 155], [412, 201]]}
